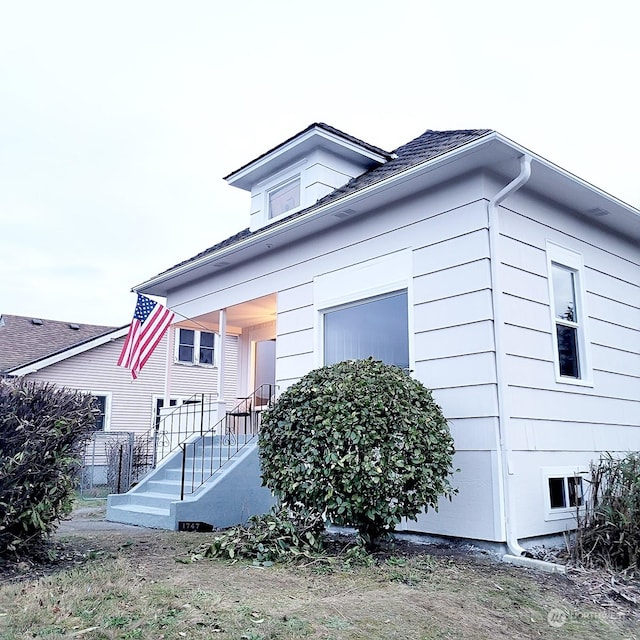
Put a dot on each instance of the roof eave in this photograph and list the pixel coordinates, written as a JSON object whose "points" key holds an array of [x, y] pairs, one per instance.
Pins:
{"points": [[259, 236], [244, 177], [345, 201]]}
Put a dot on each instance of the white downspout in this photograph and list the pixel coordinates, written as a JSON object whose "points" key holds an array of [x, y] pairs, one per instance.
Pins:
{"points": [[513, 546], [516, 552]]}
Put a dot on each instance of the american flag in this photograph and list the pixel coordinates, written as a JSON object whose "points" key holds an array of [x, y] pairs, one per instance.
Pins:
{"points": [[150, 321]]}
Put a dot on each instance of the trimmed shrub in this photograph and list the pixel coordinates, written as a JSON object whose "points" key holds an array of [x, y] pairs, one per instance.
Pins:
{"points": [[359, 441], [42, 431], [608, 531]]}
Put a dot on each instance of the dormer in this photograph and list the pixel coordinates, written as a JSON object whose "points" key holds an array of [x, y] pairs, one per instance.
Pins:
{"points": [[297, 173]]}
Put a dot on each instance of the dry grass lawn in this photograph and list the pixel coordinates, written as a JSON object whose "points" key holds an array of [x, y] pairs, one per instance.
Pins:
{"points": [[131, 585]]}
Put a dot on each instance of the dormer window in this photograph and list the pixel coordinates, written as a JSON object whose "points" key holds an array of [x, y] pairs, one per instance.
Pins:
{"points": [[302, 170], [284, 198]]}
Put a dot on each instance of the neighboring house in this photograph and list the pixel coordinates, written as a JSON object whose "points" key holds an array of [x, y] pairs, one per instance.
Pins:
{"points": [[504, 283], [84, 357]]}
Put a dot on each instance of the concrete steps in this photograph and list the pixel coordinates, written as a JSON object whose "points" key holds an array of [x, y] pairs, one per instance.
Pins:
{"points": [[231, 495]]}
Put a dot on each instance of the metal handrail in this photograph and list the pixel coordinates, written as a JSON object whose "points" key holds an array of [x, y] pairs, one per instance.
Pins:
{"points": [[228, 440], [163, 428]]}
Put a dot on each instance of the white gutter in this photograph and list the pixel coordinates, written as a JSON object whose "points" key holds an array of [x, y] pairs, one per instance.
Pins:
{"points": [[352, 198], [516, 551]]}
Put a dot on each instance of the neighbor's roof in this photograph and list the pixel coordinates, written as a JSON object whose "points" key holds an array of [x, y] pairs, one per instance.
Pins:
{"points": [[423, 148], [24, 339]]}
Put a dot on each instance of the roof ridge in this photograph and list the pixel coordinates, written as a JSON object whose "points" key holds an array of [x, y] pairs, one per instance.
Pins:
{"points": [[314, 125]]}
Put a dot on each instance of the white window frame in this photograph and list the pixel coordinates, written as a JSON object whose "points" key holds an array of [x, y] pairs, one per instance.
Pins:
{"points": [[297, 177], [564, 473], [572, 261], [362, 301], [158, 396], [107, 408], [196, 348], [358, 283]]}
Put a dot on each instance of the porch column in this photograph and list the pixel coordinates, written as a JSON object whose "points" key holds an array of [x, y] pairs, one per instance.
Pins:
{"points": [[168, 367], [222, 332], [222, 324]]}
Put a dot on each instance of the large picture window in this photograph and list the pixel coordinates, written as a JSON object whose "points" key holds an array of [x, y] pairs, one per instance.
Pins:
{"points": [[376, 327]]}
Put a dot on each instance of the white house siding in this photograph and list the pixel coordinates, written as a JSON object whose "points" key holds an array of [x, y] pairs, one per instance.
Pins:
{"points": [[452, 352], [555, 424], [131, 402]]}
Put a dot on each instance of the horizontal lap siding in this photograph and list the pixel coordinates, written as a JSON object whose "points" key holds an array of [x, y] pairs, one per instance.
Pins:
{"points": [[476, 511], [452, 239], [554, 424], [294, 327], [452, 346], [613, 327], [412, 223]]}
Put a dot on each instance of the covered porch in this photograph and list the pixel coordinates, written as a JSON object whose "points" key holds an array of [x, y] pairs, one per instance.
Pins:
{"points": [[239, 343]]}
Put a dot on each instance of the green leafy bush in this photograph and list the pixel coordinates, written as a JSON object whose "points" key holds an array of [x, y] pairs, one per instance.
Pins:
{"points": [[276, 536], [359, 441], [42, 430], [608, 530]]}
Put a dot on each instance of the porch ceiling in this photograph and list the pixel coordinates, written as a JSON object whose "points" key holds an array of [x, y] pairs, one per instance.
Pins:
{"points": [[245, 314]]}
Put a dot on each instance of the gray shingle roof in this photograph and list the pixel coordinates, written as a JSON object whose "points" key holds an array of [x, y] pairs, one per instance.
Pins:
{"points": [[23, 342], [429, 145]]}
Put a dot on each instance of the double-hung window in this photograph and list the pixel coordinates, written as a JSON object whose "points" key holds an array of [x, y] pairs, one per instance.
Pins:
{"points": [[565, 275], [102, 405], [566, 320], [195, 347]]}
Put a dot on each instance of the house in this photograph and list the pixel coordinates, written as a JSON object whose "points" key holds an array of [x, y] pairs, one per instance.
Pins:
{"points": [[84, 357], [507, 285]]}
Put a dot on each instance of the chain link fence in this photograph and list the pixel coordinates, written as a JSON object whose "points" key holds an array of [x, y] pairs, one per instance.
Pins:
{"points": [[113, 462]]}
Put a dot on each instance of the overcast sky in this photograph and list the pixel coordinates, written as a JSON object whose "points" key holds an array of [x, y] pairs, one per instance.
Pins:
{"points": [[118, 119]]}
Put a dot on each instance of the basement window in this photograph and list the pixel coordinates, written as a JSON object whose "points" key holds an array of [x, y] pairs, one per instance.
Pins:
{"points": [[564, 492]]}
